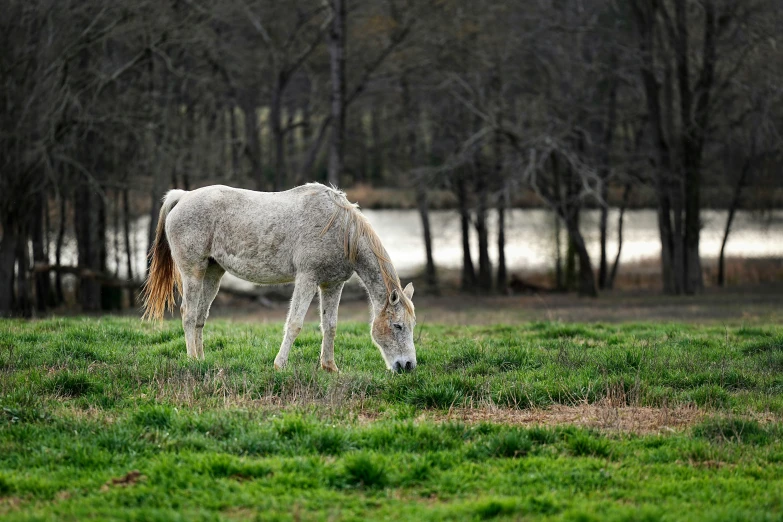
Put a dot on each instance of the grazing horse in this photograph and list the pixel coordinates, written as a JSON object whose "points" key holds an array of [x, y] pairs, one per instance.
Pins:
{"points": [[310, 236]]}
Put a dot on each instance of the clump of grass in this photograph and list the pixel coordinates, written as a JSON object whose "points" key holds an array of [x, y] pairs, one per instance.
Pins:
{"points": [[418, 471], [511, 443], [71, 384], [765, 344], [364, 470], [542, 504], [22, 406], [6, 487], [698, 451], [710, 396], [259, 444], [228, 466], [542, 435], [493, 508], [291, 426], [329, 441], [8, 356], [733, 430], [153, 417], [582, 444], [439, 395]]}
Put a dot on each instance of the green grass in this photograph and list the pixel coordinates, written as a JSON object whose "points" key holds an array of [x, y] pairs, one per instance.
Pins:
{"points": [[85, 401]]}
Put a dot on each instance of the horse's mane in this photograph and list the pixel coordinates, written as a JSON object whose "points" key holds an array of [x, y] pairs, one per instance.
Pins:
{"points": [[356, 227]]}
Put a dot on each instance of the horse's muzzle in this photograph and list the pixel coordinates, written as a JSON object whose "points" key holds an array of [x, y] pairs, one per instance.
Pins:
{"points": [[403, 365]]}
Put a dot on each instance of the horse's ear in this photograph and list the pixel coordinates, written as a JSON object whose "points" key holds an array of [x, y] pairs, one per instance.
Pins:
{"points": [[408, 291], [394, 297]]}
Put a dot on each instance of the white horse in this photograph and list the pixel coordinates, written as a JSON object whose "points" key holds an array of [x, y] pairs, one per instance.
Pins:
{"points": [[311, 236]]}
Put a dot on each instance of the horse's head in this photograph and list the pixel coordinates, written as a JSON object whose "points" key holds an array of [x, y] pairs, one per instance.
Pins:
{"points": [[392, 331]]}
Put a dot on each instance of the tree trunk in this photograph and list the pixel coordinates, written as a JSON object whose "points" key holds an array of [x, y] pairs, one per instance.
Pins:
{"points": [[87, 221], [126, 218], [604, 169], [424, 213], [571, 209], [47, 229], [337, 67], [58, 280], [696, 121], [485, 266], [616, 265], [673, 182], [8, 245], [502, 275], [646, 16], [100, 235], [568, 207], [468, 282], [559, 278], [690, 280], [587, 283], [42, 294], [570, 271], [23, 305], [693, 274], [667, 244], [735, 201], [678, 235], [603, 222], [116, 233]]}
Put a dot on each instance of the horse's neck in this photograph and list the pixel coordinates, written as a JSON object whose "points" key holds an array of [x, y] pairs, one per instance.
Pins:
{"points": [[369, 271]]}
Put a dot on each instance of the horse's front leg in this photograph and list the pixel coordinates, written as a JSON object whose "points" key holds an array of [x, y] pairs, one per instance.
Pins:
{"points": [[330, 300], [304, 290]]}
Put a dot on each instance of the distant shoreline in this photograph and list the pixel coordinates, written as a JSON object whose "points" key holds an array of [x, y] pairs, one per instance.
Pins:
{"points": [[641, 198]]}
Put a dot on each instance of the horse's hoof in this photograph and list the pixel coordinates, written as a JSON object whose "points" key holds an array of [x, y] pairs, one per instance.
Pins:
{"points": [[330, 367], [278, 367]]}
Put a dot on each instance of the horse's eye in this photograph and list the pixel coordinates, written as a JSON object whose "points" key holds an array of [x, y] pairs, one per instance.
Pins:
{"points": [[398, 326]]}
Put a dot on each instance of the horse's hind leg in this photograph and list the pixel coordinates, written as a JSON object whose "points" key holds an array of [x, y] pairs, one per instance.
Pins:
{"points": [[303, 293], [199, 290], [330, 300], [191, 295], [209, 289]]}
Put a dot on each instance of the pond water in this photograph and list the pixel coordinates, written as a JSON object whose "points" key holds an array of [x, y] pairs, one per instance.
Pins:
{"points": [[530, 238]]}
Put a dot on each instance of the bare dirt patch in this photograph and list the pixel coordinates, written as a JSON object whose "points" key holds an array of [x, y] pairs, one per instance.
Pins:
{"points": [[748, 304], [129, 479], [8, 504]]}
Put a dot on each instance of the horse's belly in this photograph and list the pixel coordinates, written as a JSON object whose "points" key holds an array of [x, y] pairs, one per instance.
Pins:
{"points": [[255, 270]]}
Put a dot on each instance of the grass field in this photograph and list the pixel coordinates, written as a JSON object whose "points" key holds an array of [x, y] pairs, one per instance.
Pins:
{"points": [[108, 419]]}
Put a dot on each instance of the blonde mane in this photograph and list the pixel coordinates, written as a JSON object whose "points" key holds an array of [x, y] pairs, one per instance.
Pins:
{"points": [[356, 227]]}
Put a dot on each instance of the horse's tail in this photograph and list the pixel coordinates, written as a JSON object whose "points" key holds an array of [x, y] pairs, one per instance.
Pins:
{"points": [[163, 274]]}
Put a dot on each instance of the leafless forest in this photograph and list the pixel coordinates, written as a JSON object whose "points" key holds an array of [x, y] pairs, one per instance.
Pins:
{"points": [[570, 103]]}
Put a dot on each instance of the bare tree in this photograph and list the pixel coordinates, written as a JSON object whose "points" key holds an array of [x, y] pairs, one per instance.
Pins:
{"points": [[696, 47]]}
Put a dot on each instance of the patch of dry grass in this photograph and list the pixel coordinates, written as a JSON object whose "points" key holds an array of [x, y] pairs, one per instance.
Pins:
{"points": [[623, 419]]}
